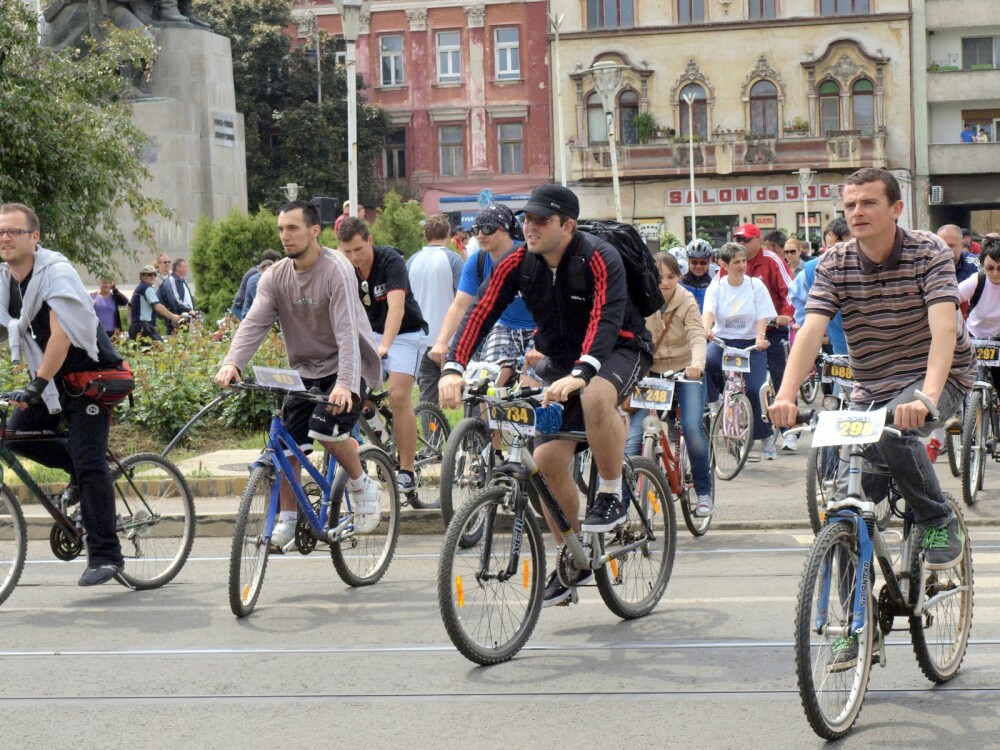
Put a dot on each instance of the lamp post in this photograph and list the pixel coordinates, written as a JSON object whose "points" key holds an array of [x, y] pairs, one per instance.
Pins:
{"points": [[607, 77], [350, 18], [291, 190], [556, 23], [689, 98], [805, 180]]}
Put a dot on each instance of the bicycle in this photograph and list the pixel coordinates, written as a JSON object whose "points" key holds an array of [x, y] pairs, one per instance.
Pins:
{"points": [[663, 443], [732, 427], [821, 466], [490, 595], [326, 514], [154, 516], [836, 603], [981, 424]]}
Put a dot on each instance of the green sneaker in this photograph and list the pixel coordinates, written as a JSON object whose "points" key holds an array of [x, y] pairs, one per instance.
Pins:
{"points": [[845, 653], [943, 545]]}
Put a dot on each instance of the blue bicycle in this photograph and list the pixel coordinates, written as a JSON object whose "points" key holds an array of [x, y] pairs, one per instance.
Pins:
{"points": [[360, 556]]}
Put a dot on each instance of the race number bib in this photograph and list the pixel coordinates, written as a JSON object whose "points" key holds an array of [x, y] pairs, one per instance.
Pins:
{"points": [[275, 378], [987, 352], [735, 360], [519, 418], [653, 393], [837, 371], [848, 427]]}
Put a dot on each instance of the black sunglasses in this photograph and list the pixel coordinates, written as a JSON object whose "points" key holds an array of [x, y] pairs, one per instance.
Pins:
{"points": [[480, 229]]}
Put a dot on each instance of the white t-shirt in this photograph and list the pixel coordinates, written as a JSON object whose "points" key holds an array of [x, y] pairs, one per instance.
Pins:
{"points": [[433, 286], [738, 308], [984, 318]]}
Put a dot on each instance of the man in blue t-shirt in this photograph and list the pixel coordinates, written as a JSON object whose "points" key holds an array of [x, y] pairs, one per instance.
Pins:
{"points": [[497, 232]]}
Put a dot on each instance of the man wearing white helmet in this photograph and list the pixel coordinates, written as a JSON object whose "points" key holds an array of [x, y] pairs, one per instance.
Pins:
{"points": [[700, 269]]}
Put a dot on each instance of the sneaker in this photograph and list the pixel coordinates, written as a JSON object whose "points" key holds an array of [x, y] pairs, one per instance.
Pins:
{"points": [[705, 506], [943, 545], [95, 575], [933, 450], [770, 453], [284, 532], [69, 497], [713, 408], [555, 593], [790, 442], [845, 653], [367, 513], [405, 483], [608, 512]]}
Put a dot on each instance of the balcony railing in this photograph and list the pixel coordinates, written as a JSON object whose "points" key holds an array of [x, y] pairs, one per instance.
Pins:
{"points": [[964, 158]]}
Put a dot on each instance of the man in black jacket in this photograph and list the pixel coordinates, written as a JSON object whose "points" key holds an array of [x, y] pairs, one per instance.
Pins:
{"points": [[595, 343]]}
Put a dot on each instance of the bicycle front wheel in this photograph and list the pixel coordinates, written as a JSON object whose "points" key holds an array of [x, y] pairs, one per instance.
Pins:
{"points": [[464, 471], [940, 632], [832, 687], [634, 579], [13, 542], [810, 388], [432, 436], [361, 559], [248, 558], [732, 436], [488, 609], [975, 434], [155, 519], [821, 483]]}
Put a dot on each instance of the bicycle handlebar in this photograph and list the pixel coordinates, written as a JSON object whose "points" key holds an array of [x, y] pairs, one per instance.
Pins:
{"points": [[249, 385]]}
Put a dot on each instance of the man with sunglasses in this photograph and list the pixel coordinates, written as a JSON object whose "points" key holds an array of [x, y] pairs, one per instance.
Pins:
{"points": [[700, 271], [399, 328]]}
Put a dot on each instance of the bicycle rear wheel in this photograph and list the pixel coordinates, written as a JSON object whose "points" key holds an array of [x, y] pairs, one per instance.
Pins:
{"points": [[633, 581], [362, 559], [488, 615], [155, 519], [810, 388], [975, 434], [432, 437], [464, 471], [940, 633], [688, 498], [832, 697], [248, 557], [732, 436], [13, 542], [821, 483]]}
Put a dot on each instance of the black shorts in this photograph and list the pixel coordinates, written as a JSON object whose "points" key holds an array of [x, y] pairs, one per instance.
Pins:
{"points": [[307, 421]]}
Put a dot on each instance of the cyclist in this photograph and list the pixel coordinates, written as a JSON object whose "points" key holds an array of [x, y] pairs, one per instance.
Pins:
{"points": [[596, 344], [679, 344], [984, 316], [49, 321], [700, 270], [680, 255], [329, 341], [399, 328]]}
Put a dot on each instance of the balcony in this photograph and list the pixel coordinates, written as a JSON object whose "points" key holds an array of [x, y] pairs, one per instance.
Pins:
{"points": [[960, 14], [738, 155], [964, 158], [961, 85]]}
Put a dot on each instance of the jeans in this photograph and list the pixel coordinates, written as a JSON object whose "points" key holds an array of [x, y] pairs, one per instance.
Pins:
{"points": [[776, 357], [907, 459], [691, 399], [753, 380]]}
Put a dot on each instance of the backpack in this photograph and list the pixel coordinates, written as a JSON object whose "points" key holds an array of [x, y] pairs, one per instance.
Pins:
{"points": [[642, 278], [980, 286]]}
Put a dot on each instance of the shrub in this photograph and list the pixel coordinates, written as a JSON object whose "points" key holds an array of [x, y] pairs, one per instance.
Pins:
{"points": [[398, 224]]}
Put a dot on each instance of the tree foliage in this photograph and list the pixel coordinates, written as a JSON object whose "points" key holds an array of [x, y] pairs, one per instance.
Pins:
{"points": [[68, 146], [399, 224]]}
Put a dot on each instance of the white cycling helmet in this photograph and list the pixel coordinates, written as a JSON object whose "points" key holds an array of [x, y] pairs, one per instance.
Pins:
{"points": [[699, 248], [680, 254]]}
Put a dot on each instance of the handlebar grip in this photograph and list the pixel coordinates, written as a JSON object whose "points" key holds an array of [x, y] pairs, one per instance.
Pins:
{"points": [[932, 410], [805, 416]]}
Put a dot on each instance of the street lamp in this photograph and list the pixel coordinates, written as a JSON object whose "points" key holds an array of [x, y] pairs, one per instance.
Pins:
{"points": [[291, 190], [556, 22], [805, 180], [689, 98], [607, 77], [350, 18]]}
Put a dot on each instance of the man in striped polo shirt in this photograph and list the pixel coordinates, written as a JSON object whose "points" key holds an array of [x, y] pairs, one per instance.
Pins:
{"points": [[897, 291]]}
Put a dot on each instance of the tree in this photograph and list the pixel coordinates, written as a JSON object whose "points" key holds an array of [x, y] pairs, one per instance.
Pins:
{"points": [[399, 224], [69, 148]]}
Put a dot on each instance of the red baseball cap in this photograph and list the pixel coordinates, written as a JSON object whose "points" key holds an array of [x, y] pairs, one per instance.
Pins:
{"points": [[747, 230]]}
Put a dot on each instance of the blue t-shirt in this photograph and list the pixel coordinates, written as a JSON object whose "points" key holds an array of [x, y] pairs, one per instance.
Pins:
{"points": [[798, 294], [516, 315]]}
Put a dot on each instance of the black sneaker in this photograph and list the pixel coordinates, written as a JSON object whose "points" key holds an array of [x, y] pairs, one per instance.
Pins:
{"points": [[845, 653], [609, 511], [555, 593], [943, 545], [69, 497], [98, 574]]}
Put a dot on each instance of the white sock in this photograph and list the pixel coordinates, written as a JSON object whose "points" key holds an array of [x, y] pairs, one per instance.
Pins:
{"points": [[614, 486], [288, 516], [356, 485]]}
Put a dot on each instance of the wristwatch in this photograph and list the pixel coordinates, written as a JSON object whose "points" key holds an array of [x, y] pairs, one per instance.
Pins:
{"points": [[580, 372]]}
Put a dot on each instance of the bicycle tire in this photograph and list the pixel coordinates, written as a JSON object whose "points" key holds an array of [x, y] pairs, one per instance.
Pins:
{"points": [[832, 700], [949, 621], [688, 498], [821, 479], [581, 470], [730, 452], [362, 559], [489, 620], [13, 542], [953, 447], [633, 584], [433, 430], [975, 433], [250, 550], [810, 388], [155, 519], [464, 471]]}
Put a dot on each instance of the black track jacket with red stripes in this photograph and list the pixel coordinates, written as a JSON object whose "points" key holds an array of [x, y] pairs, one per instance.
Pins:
{"points": [[573, 329]]}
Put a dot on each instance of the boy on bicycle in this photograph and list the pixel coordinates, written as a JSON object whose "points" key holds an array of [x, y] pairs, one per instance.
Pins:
{"points": [[984, 289]]}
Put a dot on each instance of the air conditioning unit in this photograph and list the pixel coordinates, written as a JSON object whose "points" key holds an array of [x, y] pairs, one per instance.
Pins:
{"points": [[936, 195]]}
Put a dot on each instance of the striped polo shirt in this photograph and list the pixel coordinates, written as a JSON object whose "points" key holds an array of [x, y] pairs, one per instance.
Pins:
{"points": [[885, 307]]}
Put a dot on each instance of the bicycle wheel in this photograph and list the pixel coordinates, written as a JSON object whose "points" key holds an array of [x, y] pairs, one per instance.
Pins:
{"points": [[821, 482], [155, 519], [809, 389], [248, 558], [362, 559], [832, 698], [432, 436], [732, 436], [13, 542], [688, 498], [940, 633], [489, 615], [464, 471], [633, 580], [581, 470], [975, 434], [953, 447]]}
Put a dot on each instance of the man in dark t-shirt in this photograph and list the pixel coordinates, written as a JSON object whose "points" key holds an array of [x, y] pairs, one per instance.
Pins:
{"points": [[399, 328]]}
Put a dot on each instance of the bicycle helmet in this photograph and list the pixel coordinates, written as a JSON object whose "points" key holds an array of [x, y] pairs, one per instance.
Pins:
{"points": [[680, 254], [699, 248]]}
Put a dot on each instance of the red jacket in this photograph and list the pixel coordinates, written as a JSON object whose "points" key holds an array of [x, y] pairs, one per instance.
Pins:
{"points": [[772, 269]]}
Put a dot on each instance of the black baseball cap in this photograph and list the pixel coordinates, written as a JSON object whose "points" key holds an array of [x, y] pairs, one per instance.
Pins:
{"points": [[550, 199]]}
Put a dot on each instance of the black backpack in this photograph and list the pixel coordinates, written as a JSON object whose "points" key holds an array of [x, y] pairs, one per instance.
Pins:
{"points": [[980, 286]]}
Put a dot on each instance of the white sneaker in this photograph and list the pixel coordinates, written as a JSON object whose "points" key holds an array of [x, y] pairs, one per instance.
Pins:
{"points": [[790, 442], [284, 532], [367, 513], [705, 507], [769, 451], [713, 407]]}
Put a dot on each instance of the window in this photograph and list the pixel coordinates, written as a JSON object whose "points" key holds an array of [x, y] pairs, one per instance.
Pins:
{"points": [[609, 14], [977, 52], [628, 109], [597, 120], [762, 9], [391, 53], [842, 7], [394, 155], [449, 55], [450, 140], [699, 110], [829, 107], [764, 108], [863, 105], [690, 11], [508, 53], [511, 139]]}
